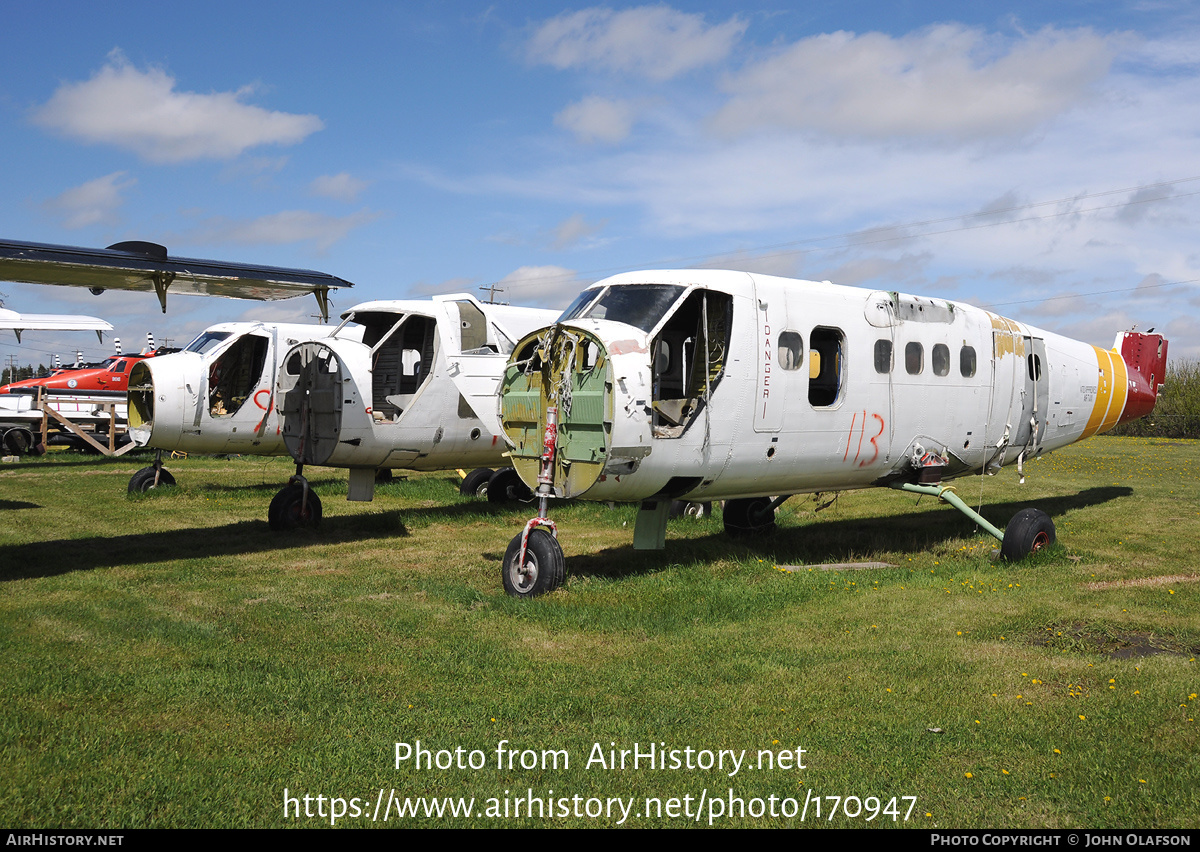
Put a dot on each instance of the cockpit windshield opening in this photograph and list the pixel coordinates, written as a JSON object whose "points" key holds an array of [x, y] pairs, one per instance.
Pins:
{"points": [[640, 305], [206, 341], [690, 355]]}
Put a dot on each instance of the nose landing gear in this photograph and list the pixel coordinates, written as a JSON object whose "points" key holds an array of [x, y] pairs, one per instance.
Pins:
{"points": [[534, 562], [296, 506]]}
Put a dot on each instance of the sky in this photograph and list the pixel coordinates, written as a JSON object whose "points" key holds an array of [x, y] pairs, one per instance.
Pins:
{"points": [[1040, 159]]}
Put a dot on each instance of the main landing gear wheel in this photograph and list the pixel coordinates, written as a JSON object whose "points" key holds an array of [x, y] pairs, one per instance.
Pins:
{"points": [[143, 480], [475, 484], [1029, 531], [290, 511], [684, 509], [505, 485], [19, 441], [544, 567], [747, 517]]}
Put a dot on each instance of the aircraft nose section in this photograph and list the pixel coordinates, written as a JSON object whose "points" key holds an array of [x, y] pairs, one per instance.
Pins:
{"points": [[557, 392], [162, 395], [141, 403]]}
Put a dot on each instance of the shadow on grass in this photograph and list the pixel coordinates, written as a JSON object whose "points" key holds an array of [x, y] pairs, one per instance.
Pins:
{"points": [[245, 538], [17, 504], [830, 541]]}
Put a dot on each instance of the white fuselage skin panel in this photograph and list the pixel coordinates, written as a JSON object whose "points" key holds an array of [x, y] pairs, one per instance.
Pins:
{"points": [[826, 388], [218, 399], [416, 392]]}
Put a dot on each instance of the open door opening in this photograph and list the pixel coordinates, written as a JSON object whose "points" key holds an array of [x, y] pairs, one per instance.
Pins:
{"points": [[690, 353]]}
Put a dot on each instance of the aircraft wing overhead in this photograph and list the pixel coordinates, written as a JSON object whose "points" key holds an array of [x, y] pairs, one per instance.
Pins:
{"points": [[51, 322], [146, 266]]}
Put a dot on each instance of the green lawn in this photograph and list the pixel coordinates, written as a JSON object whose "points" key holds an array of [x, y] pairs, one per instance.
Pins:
{"points": [[169, 661]]}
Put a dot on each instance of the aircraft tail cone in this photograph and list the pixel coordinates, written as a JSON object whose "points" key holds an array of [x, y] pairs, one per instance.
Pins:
{"points": [[1145, 356]]}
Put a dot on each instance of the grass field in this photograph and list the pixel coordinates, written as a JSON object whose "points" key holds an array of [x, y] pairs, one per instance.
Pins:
{"points": [[169, 661]]}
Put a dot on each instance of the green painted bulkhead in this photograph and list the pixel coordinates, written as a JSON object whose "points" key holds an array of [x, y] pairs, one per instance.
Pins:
{"points": [[568, 368]]}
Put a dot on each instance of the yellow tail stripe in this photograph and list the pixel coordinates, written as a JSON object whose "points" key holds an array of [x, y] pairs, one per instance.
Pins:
{"points": [[1104, 389], [1120, 392]]}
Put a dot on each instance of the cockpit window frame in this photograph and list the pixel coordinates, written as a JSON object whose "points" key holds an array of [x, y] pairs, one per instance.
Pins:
{"points": [[651, 314], [207, 340]]}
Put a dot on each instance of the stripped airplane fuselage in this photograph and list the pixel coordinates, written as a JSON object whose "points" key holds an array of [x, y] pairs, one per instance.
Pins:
{"points": [[701, 385]]}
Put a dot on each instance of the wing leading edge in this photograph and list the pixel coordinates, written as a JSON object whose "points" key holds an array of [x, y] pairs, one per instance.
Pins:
{"points": [[146, 266], [51, 322]]}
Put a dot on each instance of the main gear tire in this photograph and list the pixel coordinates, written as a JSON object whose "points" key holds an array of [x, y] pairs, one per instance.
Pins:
{"points": [[475, 483], [1029, 531], [506, 486], [749, 517]]}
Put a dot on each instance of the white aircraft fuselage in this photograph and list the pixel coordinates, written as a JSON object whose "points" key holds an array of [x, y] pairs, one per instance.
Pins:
{"points": [[702, 385], [217, 394], [414, 387]]}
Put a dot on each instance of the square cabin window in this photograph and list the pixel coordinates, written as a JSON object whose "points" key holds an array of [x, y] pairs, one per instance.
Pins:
{"points": [[914, 358], [883, 356]]}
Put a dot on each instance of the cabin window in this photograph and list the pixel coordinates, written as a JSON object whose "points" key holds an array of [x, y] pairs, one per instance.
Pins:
{"points": [[791, 350], [883, 356], [472, 330], [825, 366], [966, 361], [914, 358], [940, 359], [690, 354], [662, 357], [1034, 365]]}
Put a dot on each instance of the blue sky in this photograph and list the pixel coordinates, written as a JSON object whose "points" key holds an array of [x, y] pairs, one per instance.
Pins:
{"points": [[1039, 158]]}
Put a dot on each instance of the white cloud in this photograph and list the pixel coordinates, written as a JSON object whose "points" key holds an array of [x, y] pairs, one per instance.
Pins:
{"points": [[93, 203], [596, 119], [948, 81], [650, 41], [541, 286], [288, 226], [142, 112], [573, 229], [340, 187]]}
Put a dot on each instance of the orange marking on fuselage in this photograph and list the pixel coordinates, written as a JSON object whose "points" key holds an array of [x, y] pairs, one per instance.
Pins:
{"points": [[266, 411], [1120, 393], [1104, 389]]}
